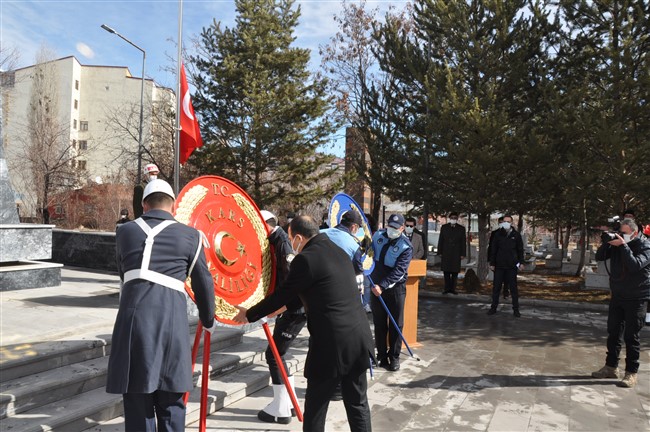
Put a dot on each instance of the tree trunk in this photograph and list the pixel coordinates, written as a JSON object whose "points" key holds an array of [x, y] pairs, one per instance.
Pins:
{"points": [[565, 242], [468, 248], [583, 239], [483, 239]]}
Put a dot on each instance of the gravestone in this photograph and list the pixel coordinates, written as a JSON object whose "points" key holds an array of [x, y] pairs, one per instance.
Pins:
{"points": [[554, 259], [598, 278]]}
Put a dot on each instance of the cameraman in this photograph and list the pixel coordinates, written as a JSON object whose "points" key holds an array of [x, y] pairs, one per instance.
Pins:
{"points": [[629, 282]]}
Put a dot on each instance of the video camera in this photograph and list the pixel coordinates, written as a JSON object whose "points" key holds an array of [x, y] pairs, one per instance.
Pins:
{"points": [[614, 228]]}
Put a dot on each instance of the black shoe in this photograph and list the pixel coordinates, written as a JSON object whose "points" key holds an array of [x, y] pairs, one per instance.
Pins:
{"points": [[445, 292], [268, 418], [394, 365], [516, 313], [383, 363], [491, 311]]}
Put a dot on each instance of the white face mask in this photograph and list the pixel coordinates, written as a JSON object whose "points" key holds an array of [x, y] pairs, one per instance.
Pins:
{"points": [[393, 233], [627, 237], [409, 230], [295, 249], [505, 225], [453, 221], [152, 177]]}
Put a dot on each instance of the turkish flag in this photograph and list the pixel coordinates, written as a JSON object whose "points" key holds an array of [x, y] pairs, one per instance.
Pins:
{"points": [[190, 135]]}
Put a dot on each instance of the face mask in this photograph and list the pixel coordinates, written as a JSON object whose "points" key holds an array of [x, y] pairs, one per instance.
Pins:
{"points": [[409, 230], [393, 233], [453, 221], [627, 237], [505, 225], [152, 177], [295, 249]]}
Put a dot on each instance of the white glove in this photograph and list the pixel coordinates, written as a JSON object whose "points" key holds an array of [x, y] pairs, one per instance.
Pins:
{"points": [[212, 329], [360, 283]]}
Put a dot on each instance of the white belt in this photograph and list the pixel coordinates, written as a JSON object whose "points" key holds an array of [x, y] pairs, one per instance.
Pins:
{"points": [[144, 272]]}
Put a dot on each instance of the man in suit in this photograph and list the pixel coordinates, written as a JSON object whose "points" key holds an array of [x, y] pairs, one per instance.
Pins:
{"points": [[340, 345], [150, 361], [506, 258], [452, 248], [415, 237]]}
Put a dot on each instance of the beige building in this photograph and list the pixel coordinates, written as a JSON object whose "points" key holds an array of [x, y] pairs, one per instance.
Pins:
{"points": [[93, 129]]}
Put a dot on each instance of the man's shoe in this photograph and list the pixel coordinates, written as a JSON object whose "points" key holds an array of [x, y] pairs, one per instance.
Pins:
{"points": [[445, 292], [383, 363], [492, 311], [516, 313], [268, 418], [606, 372], [394, 365], [628, 381]]}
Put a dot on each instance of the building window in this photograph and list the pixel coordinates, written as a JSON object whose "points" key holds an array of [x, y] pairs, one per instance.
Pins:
{"points": [[83, 145], [74, 124], [76, 104], [74, 143], [81, 164], [83, 125], [76, 84]]}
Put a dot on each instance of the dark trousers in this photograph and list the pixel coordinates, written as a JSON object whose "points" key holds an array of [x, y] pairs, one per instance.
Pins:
{"points": [[142, 411], [509, 277], [394, 299], [624, 323], [287, 327], [450, 281], [355, 400]]}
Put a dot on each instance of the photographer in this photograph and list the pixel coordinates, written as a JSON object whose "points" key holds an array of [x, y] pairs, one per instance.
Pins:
{"points": [[629, 282]]}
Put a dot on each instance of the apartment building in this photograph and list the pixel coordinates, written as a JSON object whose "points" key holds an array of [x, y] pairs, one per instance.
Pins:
{"points": [[95, 122]]}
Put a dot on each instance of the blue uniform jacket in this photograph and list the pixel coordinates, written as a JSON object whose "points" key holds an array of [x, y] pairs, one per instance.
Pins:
{"points": [[392, 259]]}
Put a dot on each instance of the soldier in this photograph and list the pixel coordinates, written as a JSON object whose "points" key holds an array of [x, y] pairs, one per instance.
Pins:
{"points": [[150, 361], [150, 172]]}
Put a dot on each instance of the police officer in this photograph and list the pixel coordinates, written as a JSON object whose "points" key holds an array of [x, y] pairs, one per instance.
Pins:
{"points": [[150, 172], [393, 253], [287, 326], [150, 361]]}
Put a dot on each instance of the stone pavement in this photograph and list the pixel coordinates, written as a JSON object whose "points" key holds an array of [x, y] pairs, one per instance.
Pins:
{"points": [[494, 373], [476, 372]]}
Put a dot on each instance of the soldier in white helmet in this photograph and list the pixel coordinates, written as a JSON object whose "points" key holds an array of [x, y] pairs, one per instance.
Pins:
{"points": [[150, 172], [150, 361]]}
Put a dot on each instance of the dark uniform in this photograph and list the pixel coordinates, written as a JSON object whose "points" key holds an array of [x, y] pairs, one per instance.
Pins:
{"points": [[150, 361], [340, 343], [506, 253], [451, 246], [392, 259], [291, 322]]}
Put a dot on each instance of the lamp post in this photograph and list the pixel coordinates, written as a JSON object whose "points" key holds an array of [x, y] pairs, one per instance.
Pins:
{"points": [[144, 56]]}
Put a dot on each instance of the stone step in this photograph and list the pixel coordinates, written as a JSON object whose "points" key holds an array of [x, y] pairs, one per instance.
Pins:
{"points": [[29, 274], [32, 391], [95, 410]]}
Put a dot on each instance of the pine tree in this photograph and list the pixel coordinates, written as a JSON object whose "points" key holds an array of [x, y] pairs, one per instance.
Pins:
{"points": [[262, 113]]}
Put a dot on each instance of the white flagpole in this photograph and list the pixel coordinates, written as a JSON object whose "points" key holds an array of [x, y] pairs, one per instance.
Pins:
{"points": [[179, 101]]}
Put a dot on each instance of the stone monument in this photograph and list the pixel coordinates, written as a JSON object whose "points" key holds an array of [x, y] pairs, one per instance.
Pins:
{"points": [[21, 244]]}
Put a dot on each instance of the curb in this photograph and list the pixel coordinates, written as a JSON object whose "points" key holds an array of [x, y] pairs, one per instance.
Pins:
{"points": [[522, 301]]}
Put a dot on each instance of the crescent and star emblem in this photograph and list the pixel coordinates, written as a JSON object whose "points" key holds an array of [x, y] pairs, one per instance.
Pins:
{"points": [[218, 249], [186, 105]]}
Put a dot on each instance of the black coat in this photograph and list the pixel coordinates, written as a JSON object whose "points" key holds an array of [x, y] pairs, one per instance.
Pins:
{"points": [[151, 340], [506, 249], [452, 245], [629, 268], [323, 277]]}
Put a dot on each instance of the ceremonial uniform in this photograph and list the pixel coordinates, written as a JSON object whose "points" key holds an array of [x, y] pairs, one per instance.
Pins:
{"points": [[340, 343], [392, 259], [150, 354]]}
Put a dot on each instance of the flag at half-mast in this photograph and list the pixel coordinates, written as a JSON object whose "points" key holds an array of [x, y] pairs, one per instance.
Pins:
{"points": [[190, 134]]}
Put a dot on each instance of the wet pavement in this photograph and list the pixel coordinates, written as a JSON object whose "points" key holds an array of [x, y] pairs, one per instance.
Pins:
{"points": [[494, 373]]}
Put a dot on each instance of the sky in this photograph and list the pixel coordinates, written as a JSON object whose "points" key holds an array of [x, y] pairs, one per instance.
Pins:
{"points": [[72, 27]]}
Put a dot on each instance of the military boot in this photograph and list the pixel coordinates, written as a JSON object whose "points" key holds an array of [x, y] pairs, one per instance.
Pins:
{"points": [[606, 372]]}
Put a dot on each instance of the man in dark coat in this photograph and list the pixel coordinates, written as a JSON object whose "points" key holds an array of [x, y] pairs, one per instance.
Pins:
{"points": [[288, 326], [452, 247], [629, 282], [150, 361], [340, 343], [506, 290], [506, 258], [415, 237]]}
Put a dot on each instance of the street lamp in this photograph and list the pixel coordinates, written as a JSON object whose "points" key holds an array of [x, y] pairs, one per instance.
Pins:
{"points": [[144, 56]]}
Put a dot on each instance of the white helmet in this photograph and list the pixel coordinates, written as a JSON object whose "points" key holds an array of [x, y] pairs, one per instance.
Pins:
{"points": [[158, 186], [266, 215], [149, 168]]}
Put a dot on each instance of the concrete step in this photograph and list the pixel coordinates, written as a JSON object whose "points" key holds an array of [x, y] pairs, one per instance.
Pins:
{"points": [[95, 410], [28, 392]]}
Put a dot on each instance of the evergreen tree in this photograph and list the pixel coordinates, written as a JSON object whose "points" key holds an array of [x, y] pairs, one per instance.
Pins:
{"points": [[263, 114]]}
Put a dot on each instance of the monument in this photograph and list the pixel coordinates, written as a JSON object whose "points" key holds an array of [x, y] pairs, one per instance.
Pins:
{"points": [[22, 244]]}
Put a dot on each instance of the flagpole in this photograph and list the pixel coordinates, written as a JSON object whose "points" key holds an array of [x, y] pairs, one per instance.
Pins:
{"points": [[179, 100]]}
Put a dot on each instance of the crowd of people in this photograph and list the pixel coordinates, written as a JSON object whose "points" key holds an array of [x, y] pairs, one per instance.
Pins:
{"points": [[320, 283]]}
